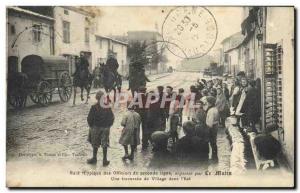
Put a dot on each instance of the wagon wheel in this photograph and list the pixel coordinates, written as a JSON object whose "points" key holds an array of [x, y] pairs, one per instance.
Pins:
{"points": [[44, 93], [34, 97], [65, 87], [17, 99]]}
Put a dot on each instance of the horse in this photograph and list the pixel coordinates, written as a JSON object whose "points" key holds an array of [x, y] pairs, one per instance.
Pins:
{"points": [[136, 81], [111, 81], [82, 79]]}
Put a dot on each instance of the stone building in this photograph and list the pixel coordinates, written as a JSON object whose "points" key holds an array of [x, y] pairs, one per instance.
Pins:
{"points": [[266, 54], [75, 34], [27, 33], [106, 45]]}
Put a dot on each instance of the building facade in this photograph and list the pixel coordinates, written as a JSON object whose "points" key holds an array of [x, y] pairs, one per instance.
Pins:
{"points": [[27, 33], [231, 55], [266, 54], [105, 46], [75, 34]]}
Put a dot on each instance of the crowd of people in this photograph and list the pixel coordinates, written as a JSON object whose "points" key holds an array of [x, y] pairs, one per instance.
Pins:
{"points": [[207, 106]]}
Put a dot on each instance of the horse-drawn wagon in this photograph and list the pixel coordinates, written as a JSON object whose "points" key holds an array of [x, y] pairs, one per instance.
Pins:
{"points": [[40, 78]]}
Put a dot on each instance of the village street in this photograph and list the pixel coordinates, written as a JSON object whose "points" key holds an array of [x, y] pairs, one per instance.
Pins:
{"points": [[61, 128]]}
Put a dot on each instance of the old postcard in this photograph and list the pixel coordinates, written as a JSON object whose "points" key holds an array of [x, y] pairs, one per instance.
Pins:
{"points": [[150, 96]]}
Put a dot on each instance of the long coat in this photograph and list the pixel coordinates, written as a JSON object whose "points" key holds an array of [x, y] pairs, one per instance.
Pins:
{"points": [[131, 131], [251, 106]]}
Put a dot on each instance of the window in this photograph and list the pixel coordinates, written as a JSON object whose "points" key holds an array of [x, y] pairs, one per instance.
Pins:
{"points": [[279, 84], [87, 34], [37, 31], [273, 107], [66, 12], [12, 30], [66, 32]]}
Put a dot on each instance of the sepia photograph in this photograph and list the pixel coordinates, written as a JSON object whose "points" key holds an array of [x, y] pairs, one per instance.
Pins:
{"points": [[150, 96]]}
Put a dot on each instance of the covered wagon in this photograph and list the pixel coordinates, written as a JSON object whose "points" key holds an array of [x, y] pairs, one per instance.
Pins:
{"points": [[40, 78]]}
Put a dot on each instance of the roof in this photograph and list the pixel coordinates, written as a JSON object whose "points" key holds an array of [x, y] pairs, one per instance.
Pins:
{"points": [[78, 10], [234, 40], [18, 9], [233, 36], [114, 40]]}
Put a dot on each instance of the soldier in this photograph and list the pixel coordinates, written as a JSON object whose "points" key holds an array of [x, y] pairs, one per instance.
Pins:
{"points": [[162, 111], [112, 64], [142, 111], [82, 65]]}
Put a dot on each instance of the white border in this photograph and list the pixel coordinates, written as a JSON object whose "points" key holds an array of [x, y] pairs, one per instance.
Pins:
{"points": [[5, 3]]}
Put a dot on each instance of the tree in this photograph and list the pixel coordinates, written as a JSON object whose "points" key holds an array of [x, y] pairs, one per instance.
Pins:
{"points": [[138, 60]]}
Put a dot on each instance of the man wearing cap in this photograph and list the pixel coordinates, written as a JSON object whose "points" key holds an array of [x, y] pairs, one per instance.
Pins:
{"points": [[190, 148], [100, 119], [162, 157], [142, 111], [212, 122]]}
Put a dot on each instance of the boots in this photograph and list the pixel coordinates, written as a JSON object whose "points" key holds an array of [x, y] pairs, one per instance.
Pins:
{"points": [[93, 160], [105, 161]]}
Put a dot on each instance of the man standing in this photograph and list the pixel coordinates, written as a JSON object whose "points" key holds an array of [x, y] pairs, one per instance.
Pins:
{"points": [[212, 123], [142, 111], [99, 119], [162, 111]]}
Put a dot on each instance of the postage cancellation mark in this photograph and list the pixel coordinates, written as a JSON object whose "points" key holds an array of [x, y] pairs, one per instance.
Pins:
{"points": [[190, 32]]}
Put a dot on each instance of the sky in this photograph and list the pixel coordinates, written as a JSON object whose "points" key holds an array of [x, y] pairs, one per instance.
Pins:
{"points": [[120, 20]]}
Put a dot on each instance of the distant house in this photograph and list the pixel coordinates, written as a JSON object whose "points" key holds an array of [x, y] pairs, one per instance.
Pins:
{"points": [[27, 33], [196, 64], [106, 45], [231, 55]]}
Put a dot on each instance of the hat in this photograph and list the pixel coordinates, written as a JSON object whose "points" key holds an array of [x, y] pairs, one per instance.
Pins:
{"points": [[159, 136], [211, 100], [188, 127], [99, 94], [241, 73], [181, 90], [170, 87], [160, 88]]}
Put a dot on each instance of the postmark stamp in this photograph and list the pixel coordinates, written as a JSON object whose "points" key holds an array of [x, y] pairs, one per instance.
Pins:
{"points": [[190, 32]]}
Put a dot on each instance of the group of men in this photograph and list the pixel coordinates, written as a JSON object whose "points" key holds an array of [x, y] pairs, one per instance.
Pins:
{"points": [[82, 65]]}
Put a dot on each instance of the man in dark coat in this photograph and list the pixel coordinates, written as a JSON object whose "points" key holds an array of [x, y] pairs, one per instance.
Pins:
{"points": [[154, 115], [191, 148], [162, 111], [100, 119], [251, 108], [112, 64], [82, 66], [162, 157], [142, 111]]}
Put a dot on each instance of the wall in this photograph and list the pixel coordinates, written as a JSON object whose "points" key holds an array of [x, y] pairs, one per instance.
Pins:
{"points": [[280, 29], [119, 49], [77, 43], [25, 45]]}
